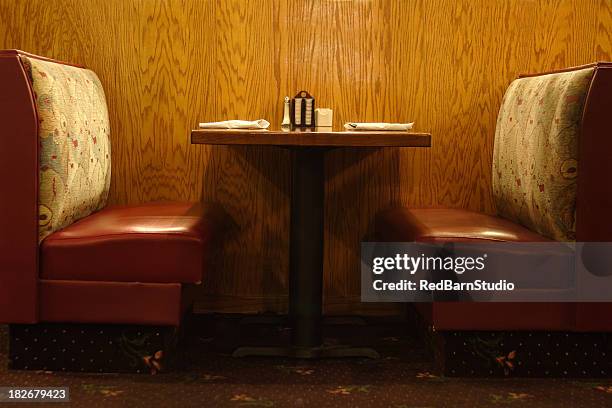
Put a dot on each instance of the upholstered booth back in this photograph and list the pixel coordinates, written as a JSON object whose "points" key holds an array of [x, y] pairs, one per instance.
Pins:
{"points": [[535, 159], [74, 145]]}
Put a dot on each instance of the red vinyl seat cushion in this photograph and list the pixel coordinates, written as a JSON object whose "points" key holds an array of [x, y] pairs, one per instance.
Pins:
{"points": [[448, 225], [152, 243], [457, 225]]}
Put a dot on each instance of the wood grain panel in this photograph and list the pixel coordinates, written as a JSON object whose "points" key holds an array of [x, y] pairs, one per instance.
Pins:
{"points": [[168, 64], [251, 183]]}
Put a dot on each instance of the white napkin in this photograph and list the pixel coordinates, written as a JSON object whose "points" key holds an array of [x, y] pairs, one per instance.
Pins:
{"points": [[236, 124], [378, 126]]}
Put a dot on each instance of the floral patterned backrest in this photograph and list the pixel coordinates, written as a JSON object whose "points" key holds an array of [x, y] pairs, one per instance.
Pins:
{"points": [[74, 144], [536, 150]]}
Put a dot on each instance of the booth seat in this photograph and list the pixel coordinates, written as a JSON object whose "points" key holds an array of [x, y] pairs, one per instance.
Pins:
{"points": [[65, 256], [551, 164]]}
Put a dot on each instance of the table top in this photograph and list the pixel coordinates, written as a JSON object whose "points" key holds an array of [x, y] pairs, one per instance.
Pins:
{"points": [[308, 138]]}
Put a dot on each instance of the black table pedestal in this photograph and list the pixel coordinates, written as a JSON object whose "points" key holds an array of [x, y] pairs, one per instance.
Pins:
{"points": [[306, 265]]}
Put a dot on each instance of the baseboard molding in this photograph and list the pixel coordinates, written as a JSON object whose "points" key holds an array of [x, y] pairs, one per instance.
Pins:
{"points": [[279, 304]]}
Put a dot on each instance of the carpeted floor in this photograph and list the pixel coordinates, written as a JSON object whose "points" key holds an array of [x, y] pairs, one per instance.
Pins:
{"points": [[210, 377]]}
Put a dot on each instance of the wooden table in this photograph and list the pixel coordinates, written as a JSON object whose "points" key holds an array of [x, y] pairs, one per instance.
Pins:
{"points": [[306, 231]]}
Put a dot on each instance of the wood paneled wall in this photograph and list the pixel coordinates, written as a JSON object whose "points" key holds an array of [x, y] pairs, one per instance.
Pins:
{"points": [[167, 64]]}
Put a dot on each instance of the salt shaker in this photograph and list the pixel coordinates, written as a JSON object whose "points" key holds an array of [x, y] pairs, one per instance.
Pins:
{"points": [[286, 115]]}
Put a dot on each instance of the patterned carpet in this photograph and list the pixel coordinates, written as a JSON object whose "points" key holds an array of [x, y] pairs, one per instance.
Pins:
{"points": [[210, 377]]}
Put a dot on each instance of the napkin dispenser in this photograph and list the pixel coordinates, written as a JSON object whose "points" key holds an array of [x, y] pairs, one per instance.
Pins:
{"points": [[303, 110]]}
